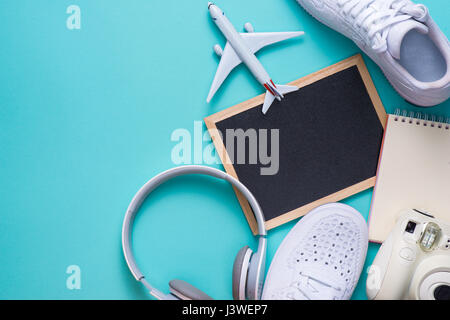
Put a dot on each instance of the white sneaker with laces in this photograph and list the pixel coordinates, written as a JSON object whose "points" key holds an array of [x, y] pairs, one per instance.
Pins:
{"points": [[321, 258], [400, 37]]}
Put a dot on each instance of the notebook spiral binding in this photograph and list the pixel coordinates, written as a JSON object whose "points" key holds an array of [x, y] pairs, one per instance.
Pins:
{"points": [[419, 118]]}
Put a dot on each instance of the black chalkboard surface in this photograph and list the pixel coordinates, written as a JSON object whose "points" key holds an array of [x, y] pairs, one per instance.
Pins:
{"points": [[329, 137]]}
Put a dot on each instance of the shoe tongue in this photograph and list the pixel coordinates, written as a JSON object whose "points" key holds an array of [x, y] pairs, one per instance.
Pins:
{"points": [[398, 32]]}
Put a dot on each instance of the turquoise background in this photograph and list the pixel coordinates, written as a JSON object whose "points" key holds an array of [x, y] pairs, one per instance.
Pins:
{"points": [[86, 118]]}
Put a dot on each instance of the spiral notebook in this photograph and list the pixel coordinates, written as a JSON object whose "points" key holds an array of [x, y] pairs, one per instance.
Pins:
{"points": [[413, 171]]}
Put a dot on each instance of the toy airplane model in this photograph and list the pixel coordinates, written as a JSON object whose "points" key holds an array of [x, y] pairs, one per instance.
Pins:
{"points": [[241, 47]]}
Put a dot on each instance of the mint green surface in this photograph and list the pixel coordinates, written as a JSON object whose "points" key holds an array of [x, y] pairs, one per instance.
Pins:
{"points": [[86, 118]]}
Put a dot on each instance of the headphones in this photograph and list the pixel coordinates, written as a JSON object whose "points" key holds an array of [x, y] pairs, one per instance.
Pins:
{"points": [[249, 266]]}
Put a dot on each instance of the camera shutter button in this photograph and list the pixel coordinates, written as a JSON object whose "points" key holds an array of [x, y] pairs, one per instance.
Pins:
{"points": [[408, 254]]}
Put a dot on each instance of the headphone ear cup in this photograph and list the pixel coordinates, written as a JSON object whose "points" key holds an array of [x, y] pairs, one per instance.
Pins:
{"points": [[240, 273], [185, 291], [255, 277]]}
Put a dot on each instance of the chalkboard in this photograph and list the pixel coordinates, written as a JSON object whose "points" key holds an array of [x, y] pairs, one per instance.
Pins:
{"points": [[329, 139]]}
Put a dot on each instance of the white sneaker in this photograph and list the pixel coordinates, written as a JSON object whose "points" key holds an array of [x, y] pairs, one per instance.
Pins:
{"points": [[400, 37], [321, 258]]}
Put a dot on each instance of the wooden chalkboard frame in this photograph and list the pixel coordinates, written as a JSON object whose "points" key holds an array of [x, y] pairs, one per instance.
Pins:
{"points": [[211, 121]]}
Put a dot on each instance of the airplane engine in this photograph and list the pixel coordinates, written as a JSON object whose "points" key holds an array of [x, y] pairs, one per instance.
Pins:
{"points": [[218, 50], [248, 27]]}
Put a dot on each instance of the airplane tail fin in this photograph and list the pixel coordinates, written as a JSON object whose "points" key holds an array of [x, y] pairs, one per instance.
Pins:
{"points": [[286, 89], [283, 89]]}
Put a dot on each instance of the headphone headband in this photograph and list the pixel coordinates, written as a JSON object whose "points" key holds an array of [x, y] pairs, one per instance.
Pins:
{"points": [[152, 184]]}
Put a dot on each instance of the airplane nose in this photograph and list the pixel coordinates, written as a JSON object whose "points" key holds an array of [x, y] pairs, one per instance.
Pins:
{"points": [[214, 11]]}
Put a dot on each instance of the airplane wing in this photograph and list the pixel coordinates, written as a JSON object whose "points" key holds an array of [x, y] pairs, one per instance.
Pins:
{"points": [[228, 62], [255, 41], [258, 40]]}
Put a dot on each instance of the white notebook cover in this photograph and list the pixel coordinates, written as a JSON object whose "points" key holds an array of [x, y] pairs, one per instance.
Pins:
{"points": [[413, 172]]}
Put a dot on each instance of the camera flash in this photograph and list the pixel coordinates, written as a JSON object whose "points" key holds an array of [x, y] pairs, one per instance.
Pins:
{"points": [[430, 236]]}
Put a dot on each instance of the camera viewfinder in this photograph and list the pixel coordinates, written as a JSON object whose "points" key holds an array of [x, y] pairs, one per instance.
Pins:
{"points": [[410, 227]]}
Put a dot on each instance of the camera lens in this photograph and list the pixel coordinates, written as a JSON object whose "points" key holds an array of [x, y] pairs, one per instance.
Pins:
{"points": [[442, 293]]}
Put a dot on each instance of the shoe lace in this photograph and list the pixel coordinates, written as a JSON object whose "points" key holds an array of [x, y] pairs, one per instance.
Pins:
{"points": [[308, 287], [375, 17]]}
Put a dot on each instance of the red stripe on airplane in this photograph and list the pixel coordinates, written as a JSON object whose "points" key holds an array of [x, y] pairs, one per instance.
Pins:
{"points": [[268, 88], [273, 83]]}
